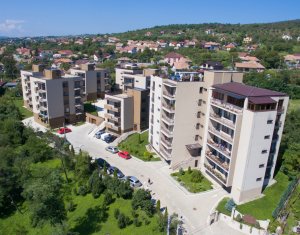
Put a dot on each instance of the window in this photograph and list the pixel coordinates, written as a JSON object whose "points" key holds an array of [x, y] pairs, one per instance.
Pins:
{"points": [[267, 137], [157, 121], [258, 179], [198, 114], [197, 126], [205, 89], [158, 109], [196, 137], [264, 151], [269, 121], [199, 102], [201, 90], [159, 85], [261, 165]]}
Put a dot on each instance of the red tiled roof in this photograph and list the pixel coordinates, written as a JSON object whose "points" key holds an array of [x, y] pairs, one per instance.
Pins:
{"points": [[247, 91], [261, 100], [173, 55]]}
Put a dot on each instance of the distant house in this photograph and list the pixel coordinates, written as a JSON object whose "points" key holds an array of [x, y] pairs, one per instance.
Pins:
{"points": [[286, 37], [65, 53], [80, 62], [10, 84], [182, 64], [148, 34], [23, 51], [230, 46], [212, 46], [292, 61], [46, 54], [247, 58], [209, 31], [172, 44], [123, 60], [113, 40], [172, 57], [128, 49], [97, 57], [247, 40], [249, 66], [212, 65], [251, 48]]}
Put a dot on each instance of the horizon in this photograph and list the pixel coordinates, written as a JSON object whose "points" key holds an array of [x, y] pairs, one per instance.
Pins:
{"points": [[60, 18]]}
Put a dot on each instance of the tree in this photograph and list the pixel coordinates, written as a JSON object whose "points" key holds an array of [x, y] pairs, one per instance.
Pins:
{"points": [[10, 70], [142, 199], [45, 198], [158, 206], [83, 167], [291, 159], [96, 185], [65, 66]]}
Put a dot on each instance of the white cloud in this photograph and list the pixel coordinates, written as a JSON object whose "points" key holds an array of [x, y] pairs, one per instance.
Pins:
{"points": [[11, 26]]}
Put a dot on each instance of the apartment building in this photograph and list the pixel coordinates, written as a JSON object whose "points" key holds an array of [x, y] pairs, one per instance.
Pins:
{"points": [[96, 80], [128, 111], [243, 133], [54, 99], [178, 110], [133, 76]]}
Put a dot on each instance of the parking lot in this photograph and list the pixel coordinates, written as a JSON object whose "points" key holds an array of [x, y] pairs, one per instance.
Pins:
{"points": [[194, 209]]}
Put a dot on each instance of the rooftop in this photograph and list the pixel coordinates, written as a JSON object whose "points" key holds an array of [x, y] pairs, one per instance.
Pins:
{"points": [[247, 91]]}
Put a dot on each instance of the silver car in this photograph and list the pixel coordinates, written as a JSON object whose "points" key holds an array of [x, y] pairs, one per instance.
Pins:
{"points": [[134, 182], [112, 149]]}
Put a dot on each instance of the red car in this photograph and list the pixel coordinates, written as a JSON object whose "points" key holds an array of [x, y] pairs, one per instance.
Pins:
{"points": [[63, 130], [124, 155]]}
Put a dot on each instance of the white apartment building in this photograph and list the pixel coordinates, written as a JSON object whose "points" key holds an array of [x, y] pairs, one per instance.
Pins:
{"points": [[243, 133], [229, 130], [96, 80], [132, 76], [178, 107], [56, 99]]}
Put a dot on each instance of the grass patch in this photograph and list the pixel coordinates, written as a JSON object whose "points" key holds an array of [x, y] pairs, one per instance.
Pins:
{"points": [[294, 105], [90, 108], [135, 144], [79, 123], [84, 219], [24, 112], [221, 206], [262, 208], [192, 183]]}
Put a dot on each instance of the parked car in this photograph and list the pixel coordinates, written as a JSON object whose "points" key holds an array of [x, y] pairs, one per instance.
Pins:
{"points": [[99, 133], [104, 136], [109, 139], [112, 149], [111, 170], [101, 163], [124, 154], [134, 182], [64, 130]]}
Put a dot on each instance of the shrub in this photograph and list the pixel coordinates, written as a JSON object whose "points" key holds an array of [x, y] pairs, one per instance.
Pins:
{"points": [[181, 171], [70, 206], [108, 198], [136, 222], [241, 226], [238, 218], [196, 176], [134, 214], [116, 213], [189, 170], [158, 206], [121, 221], [82, 190]]}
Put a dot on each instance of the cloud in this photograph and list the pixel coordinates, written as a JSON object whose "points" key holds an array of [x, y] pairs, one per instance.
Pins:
{"points": [[11, 26]]}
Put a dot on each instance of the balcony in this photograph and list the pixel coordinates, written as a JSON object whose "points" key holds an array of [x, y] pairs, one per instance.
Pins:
{"points": [[224, 165], [167, 131], [43, 108], [112, 108], [77, 88], [222, 120], [169, 83], [220, 148], [219, 176], [220, 134], [169, 95], [224, 105], [166, 143], [167, 119], [280, 109], [112, 117], [165, 154], [168, 107], [112, 126]]}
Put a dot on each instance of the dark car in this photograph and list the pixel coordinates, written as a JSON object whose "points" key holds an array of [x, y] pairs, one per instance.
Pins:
{"points": [[109, 139], [101, 163], [111, 170]]}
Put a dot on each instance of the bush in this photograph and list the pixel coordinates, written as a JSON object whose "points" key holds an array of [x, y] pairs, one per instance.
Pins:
{"points": [[116, 213], [70, 206], [189, 170], [108, 198], [142, 199], [136, 222], [181, 171], [121, 221], [82, 190], [238, 218], [196, 176]]}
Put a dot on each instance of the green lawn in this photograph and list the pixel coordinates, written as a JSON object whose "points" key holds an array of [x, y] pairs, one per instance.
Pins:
{"points": [[135, 145], [185, 179], [262, 208], [221, 207], [25, 112], [294, 104], [90, 108], [84, 219]]}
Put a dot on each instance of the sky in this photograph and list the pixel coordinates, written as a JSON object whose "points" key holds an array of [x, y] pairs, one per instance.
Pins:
{"points": [[70, 17]]}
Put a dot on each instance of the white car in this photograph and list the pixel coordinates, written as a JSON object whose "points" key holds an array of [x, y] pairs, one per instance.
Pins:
{"points": [[112, 149], [104, 136]]}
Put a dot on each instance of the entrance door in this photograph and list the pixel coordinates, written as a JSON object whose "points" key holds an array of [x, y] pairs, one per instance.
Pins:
{"points": [[196, 163]]}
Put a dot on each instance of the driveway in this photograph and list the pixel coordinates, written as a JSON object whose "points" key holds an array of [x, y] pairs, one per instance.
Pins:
{"points": [[193, 208]]}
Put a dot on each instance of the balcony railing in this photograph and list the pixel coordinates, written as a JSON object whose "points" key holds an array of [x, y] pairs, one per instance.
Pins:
{"points": [[166, 154], [168, 119], [167, 131], [220, 148], [227, 106], [112, 117], [280, 109], [111, 126], [169, 107], [221, 134], [216, 173], [222, 120], [169, 95], [166, 143], [216, 160], [112, 108]]}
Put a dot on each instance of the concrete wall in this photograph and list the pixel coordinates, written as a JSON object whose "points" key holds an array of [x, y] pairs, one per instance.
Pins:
{"points": [[127, 111]]}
